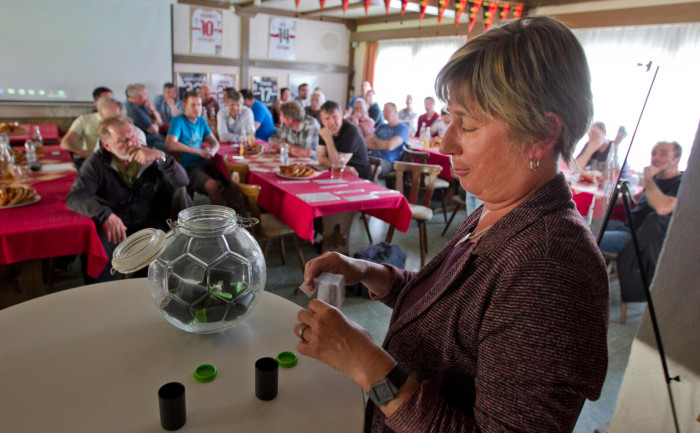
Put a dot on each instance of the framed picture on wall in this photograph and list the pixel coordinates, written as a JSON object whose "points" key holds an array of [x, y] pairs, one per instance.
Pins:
{"points": [[217, 84], [265, 89], [296, 80], [187, 81]]}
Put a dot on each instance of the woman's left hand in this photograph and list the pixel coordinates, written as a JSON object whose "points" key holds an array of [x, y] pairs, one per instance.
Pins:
{"points": [[331, 338]]}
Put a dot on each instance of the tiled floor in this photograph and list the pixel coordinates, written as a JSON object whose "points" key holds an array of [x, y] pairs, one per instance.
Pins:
{"points": [[283, 279]]}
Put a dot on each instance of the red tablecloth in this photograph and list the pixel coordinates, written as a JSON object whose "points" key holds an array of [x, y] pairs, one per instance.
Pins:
{"points": [[286, 200], [47, 228], [49, 132]]}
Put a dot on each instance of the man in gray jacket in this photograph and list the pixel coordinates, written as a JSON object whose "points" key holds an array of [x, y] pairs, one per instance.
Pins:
{"points": [[125, 187]]}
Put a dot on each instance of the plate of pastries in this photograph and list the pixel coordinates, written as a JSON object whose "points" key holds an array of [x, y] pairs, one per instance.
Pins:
{"points": [[297, 171], [12, 196]]}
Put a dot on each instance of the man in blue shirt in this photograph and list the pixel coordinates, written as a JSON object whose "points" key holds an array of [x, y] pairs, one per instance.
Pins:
{"points": [[264, 127], [185, 135], [389, 139], [141, 110], [167, 104]]}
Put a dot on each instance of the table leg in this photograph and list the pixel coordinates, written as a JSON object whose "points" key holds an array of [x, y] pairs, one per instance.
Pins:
{"points": [[31, 281], [336, 232]]}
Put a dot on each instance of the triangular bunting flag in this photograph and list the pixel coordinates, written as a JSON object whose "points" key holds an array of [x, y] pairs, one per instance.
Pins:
{"points": [[366, 6], [323, 3], [296, 14], [404, 3], [386, 3], [442, 4], [489, 14], [518, 12], [503, 11], [423, 4], [473, 10], [459, 9]]}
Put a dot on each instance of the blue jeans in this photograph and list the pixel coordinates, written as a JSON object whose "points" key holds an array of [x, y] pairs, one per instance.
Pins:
{"points": [[615, 238]]}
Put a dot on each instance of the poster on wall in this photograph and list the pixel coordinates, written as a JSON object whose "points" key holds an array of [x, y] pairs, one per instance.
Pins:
{"points": [[217, 84], [206, 31], [296, 80], [282, 36], [187, 81], [265, 89]]}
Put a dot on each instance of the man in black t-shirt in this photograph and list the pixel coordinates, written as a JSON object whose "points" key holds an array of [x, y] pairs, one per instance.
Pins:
{"points": [[661, 181], [338, 136]]}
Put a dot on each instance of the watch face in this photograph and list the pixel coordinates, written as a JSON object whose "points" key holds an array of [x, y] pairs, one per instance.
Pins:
{"points": [[383, 391]]}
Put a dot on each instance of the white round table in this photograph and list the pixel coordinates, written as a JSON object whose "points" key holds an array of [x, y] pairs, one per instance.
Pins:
{"points": [[92, 359]]}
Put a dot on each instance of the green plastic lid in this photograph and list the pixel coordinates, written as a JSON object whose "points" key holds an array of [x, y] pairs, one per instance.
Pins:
{"points": [[205, 373], [287, 359]]}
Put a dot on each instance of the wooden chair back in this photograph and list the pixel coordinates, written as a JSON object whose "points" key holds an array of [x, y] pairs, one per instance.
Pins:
{"points": [[428, 173], [241, 169], [410, 155], [252, 192]]}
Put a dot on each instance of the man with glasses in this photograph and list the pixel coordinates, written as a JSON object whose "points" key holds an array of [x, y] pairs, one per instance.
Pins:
{"points": [[125, 187]]}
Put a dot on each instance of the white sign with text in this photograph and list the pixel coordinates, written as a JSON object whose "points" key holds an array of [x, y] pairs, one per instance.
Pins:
{"points": [[282, 36], [206, 31]]}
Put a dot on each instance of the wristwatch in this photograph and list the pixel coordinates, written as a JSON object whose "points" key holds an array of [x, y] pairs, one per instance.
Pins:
{"points": [[162, 159], [386, 388]]}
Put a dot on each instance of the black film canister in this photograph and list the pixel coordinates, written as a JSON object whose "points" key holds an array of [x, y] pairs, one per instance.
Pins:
{"points": [[266, 378], [171, 400]]}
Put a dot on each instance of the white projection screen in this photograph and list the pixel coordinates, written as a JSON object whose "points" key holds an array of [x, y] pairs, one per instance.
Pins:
{"points": [[59, 51]]}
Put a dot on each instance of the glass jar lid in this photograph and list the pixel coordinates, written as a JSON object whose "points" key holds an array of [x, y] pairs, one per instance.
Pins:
{"points": [[138, 250]]}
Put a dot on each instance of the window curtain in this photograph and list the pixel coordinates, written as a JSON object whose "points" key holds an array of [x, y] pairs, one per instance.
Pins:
{"points": [[409, 66], [370, 63], [618, 59]]}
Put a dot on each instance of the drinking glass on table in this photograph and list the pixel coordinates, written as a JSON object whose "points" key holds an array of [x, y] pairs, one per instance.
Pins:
{"points": [[337, 166]]}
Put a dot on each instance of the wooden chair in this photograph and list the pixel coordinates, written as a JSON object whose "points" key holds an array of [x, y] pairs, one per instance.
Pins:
{"points": [[241, 169], [459, 204], [269, 227], [410, 155], [425, 174]]}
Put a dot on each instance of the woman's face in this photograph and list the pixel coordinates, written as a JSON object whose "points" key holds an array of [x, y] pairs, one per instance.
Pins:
{"points": [[482, 159]]}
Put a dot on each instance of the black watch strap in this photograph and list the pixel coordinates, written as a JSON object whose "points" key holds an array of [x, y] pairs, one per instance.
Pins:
{"points": [[387, 387]]}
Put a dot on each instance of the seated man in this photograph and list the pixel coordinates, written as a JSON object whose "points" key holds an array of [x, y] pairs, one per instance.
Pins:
{"points": [[314, 108], [167, 104], [302, 95], [141, 110], [389, 139], [210, 106], [429, 116], [235, 119], [264, 127], [185, 135], [125, 187], [373, 110], [651, 217], [299, 130], [81, 138], [339, 136], [439, 127]]}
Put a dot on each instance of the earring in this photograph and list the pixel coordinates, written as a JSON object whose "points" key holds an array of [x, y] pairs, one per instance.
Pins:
{"points": [[534, 164]]}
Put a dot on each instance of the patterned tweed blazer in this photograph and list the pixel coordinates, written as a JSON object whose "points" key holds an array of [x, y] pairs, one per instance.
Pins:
{"points": [[513, 337]]}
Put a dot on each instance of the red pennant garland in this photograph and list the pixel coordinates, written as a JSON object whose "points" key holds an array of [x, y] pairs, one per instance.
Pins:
{"points": [[423, 4], [459, 9], [386, 3], [503, 11], [296, 14], [442, 4], [489, 14], [473, 10], [518, 12], [404, 3], [366, 6], [323, 3]]}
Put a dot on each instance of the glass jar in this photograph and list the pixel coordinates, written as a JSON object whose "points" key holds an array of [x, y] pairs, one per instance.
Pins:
{"points": [[206, 274]]}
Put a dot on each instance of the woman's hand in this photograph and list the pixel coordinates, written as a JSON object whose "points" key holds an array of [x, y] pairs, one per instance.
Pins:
{"points": [[375, 277], [331, 338]]}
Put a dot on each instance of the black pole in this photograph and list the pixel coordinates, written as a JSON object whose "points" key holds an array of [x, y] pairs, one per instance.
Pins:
{"points": [[623, 187]]}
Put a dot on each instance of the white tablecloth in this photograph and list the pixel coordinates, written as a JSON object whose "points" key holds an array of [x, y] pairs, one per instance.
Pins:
{"points": [[91, 359]]}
